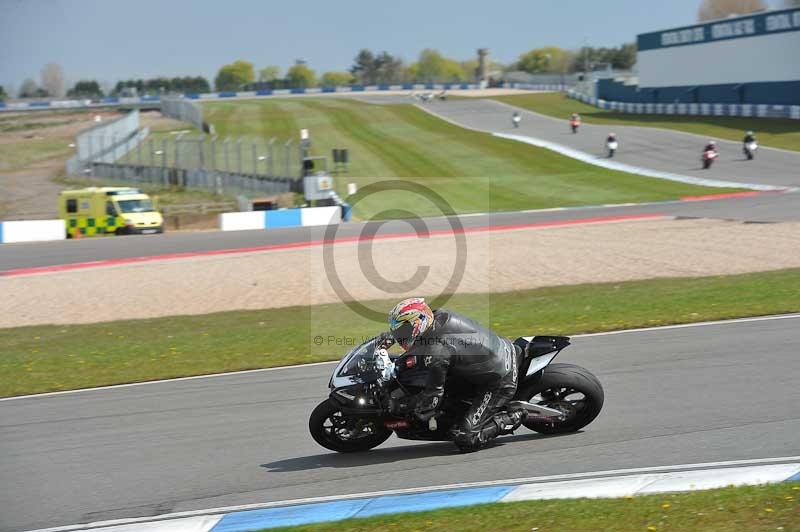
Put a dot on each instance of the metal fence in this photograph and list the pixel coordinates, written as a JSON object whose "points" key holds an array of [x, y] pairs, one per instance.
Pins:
{"points": [[231, 165], [186, 111]]}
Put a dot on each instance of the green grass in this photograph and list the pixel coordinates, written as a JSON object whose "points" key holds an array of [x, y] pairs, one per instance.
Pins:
{"points": [[10, 127], [774, 132], [747, 508], [61, 357], [473, 171], [23, 153]]}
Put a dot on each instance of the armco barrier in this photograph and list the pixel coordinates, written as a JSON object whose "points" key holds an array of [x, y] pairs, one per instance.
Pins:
{"points": [[32, 231], [242, 221], [693, 109], [139, 100]]}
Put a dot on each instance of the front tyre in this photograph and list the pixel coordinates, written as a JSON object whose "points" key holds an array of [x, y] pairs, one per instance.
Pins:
{"points": [[344, 435], [569, 388]]}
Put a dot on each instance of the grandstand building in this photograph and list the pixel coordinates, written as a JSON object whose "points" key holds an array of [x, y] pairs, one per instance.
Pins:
{"points": [[753, 59]]}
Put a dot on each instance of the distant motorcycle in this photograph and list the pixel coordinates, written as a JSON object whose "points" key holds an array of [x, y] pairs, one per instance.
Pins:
{"points": [[574, 123], [516, 119], [612, 147], [750, 149], [708, 158]]}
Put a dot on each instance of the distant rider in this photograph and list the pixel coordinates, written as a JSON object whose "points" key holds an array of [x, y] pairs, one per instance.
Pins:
{"points": [[450, 344], [516, 118], [748, 138], [612, 137], [711, 146], [574, 122]]}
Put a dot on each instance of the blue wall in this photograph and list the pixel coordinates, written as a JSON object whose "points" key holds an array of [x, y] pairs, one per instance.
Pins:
{"points": [[773, 93]]}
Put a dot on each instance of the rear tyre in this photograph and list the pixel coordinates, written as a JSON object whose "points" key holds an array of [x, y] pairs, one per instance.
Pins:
{"points": [[569, 388], [343, 435]]}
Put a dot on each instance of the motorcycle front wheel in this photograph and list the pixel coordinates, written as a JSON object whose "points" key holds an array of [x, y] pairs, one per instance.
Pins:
{"points": [[344, 435], [569, 388]]}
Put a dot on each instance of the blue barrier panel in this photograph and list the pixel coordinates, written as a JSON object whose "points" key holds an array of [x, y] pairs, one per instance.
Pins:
{"points": [[408, 86], [39, 104], [429, 86], [383, 87], [226, 94], [328, 89], [111, 99], [192, 96], [347, 212], [447, 86], [282, 218], [464, 86], [2, 104], [149, 98], [1, 232], [357, 88], [264, 92], [298, 90]]}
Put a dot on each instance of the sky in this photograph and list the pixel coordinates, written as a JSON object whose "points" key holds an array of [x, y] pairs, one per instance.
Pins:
{"points": [[110, 40]]}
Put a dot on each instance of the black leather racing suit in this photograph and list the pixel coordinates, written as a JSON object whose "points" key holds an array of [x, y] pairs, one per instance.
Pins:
{"points": [[459, 346], [748, 139]]}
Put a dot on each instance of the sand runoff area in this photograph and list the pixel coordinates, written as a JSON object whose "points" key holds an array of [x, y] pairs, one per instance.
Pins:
{"points": [[490, 262]]}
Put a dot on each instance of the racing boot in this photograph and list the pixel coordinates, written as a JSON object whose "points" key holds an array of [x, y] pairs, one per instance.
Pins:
{"points": [[508, 422]]}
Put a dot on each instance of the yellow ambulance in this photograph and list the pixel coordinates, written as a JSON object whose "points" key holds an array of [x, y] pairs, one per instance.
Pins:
{"points": [[109, 211]]}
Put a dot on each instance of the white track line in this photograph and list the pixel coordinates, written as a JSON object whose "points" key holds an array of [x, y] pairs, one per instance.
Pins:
{"points": [[462, 485], [279, 368]]}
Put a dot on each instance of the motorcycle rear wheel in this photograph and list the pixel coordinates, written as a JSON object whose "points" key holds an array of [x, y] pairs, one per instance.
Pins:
{"points": [[323, 427], [569, 388]]}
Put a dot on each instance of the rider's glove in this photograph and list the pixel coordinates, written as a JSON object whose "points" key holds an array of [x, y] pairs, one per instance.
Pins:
{"points": [[385, 340]]}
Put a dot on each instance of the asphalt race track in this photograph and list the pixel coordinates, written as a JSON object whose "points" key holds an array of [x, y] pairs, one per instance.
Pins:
{"points": [[647, 147], [673, 396], [659, 149]]}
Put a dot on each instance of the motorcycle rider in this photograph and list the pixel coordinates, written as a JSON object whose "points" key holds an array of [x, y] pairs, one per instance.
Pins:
{"points": [[711, 146], [612, 137], [516, 118], [451, 344], [574, 122], [748, 138]]}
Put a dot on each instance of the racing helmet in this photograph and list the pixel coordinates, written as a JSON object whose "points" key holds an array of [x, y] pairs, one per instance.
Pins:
{"points": [[750, 133], [408, 320]]}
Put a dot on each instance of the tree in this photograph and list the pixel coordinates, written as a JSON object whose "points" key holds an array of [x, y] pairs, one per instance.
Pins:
{"points": [[548, 59], [232, 76], [300, 76], [619, 58], [388, 68], [269, 73], [713, 9], [28, 89], [53, 80], [336, 79], [364, 67], [3, 94], [85, 89], [370, 68]]}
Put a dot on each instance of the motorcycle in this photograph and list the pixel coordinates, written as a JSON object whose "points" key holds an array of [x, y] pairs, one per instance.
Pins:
{"points": [[370, 392], [574, 124], [750, 149], [612, 147], [516, 119], [708, 158]]}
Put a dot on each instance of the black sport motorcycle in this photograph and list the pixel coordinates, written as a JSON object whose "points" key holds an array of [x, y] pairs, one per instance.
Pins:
{"points": [[370, 392]]}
